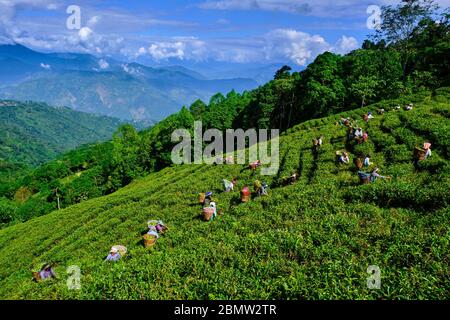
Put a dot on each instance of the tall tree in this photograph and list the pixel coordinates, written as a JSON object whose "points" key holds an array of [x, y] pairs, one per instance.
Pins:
{"points": [[125, 155], [283, 73], [365, 88], [197, 109], [399, 24], [321, 88]]}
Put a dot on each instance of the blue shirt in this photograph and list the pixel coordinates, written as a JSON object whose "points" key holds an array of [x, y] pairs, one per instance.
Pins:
{"points": [[111, 257], [45, 274]]}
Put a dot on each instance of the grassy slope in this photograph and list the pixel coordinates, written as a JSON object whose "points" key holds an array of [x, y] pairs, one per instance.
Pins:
{"points": [[34, 133], [309, 240]]}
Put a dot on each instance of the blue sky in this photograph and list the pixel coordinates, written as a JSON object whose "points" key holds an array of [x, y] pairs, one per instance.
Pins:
{"points": [[167, 31]]}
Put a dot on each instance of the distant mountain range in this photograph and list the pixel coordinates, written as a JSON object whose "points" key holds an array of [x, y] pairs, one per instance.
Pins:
{"points": [[129, 91], [33, 133]]}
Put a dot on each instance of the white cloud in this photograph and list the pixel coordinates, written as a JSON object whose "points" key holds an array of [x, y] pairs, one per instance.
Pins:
{"points": [[279, 45], [8, 11], [345, 45], [142, 51], [299, 47], [167, 50], [131, 70], [45, 66], [103, 64], [85, 33], [93, 21], [180, 48]]}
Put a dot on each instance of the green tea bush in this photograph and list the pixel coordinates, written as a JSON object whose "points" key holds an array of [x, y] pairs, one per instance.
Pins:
{"points": [[398, 153], [400, 194], [391, 121], [364, 148], [442, 109], [434, 165], [382, 140], [407, 138]]}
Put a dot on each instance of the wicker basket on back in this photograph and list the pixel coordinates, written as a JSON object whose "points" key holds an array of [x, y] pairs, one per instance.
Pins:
{"points": [[245, 194], [364, 180], [149, 240], [201, 198], [36, 276], [207, 213], [419, 153], [122, 250], [358, 163]]}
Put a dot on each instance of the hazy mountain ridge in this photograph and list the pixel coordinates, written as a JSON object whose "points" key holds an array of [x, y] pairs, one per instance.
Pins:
{"points": [[104, 85]]}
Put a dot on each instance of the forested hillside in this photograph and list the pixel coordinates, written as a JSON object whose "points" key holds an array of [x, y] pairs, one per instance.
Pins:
{"points": [[33, 133]]}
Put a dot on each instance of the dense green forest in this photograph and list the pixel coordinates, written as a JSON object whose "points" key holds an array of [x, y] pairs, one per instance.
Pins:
{"points": [[33, 133], [390, 65]]}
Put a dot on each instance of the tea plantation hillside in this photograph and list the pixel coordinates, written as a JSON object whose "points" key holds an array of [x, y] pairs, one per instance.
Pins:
{"points": [[314, 239]]}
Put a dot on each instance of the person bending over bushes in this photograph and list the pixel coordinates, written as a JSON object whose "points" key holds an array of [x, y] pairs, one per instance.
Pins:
{"points": [[344, 159], [113, 255], [366, 178]]}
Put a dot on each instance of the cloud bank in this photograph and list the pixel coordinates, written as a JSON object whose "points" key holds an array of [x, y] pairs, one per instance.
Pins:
{"points": [[278, 45]]}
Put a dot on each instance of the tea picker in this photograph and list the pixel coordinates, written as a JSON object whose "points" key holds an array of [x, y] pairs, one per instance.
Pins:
{"points": [[229, 185], [424, 152], [210, 213], [116, 253], [155, 228], [44, 272], [366, 178], [158, 225], [343, 157], [254, 165], [263, 190], [293, 178]]}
